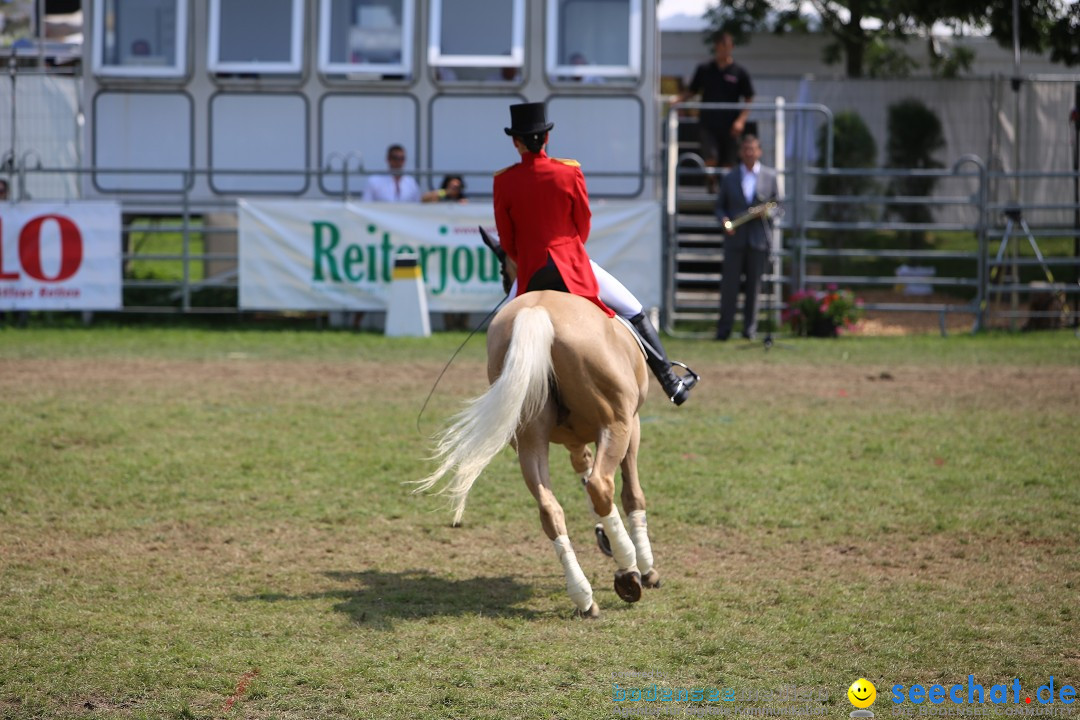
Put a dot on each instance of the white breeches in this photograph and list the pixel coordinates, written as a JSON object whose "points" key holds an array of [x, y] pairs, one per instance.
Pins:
{"points": [[612, 293]]}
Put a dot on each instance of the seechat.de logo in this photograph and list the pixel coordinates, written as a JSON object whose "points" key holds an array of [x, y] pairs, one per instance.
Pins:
{"points": [[862, 694]]}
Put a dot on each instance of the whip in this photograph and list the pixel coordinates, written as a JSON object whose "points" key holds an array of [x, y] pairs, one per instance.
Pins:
{"points": [[501, 254]]}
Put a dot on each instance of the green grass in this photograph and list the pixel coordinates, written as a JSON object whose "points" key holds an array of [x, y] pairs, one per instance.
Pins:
{"points": [[182, 506], [147, 238]]}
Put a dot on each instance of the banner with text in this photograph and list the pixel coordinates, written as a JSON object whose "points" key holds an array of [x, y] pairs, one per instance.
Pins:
{"points": [[56, 256], [326, 255]]}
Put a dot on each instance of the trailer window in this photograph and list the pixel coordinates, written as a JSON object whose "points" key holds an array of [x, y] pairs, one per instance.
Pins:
{"points": [[256, 36], [461, 49], [366, 37], [593, 41], [140, 38]]}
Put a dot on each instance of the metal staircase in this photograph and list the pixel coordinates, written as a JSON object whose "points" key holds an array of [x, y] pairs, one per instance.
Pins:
{"points": [[697, 249], [694, 251]]}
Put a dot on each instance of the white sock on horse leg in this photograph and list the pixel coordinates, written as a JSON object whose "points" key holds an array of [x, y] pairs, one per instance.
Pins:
{"points": [[622, 547], [639, 533], [577, 586]]}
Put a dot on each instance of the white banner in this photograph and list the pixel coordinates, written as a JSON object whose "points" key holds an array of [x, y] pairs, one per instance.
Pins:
{"points": [[326, 255], [56, 256]]}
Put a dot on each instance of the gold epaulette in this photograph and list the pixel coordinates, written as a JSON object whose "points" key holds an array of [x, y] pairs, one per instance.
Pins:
{"points": [[567, 161], [500, 172]]}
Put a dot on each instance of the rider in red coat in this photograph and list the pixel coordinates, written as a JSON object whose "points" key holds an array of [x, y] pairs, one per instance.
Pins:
{"points": [[542, 213], [543, 217]]}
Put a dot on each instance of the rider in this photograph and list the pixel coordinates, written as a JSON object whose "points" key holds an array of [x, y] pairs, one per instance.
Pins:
{"points": [[543, 217]]}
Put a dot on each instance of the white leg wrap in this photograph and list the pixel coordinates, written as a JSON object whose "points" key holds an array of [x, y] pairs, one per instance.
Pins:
{"points": [[576, 585], [621, 545], [639, 533]]}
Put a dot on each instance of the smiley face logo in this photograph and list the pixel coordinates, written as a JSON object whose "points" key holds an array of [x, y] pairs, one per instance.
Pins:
{"points": [[862, 693]]}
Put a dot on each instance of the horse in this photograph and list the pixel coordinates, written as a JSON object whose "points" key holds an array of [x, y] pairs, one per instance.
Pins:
{"points": [[561, 371]]}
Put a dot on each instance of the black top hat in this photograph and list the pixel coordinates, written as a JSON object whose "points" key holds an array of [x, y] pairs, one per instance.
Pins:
{"points": [[528, 118]]}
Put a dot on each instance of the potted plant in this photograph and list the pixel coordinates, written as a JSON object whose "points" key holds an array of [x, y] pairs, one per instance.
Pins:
{"points": [[817, 313]]}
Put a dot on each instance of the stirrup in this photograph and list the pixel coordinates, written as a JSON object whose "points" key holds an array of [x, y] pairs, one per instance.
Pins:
{"points": [[690, 379]]}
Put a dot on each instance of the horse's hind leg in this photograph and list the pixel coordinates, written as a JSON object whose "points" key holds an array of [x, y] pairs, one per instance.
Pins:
{"points": [[633, 502], [610, 451], [581, 458], [532, 447]]}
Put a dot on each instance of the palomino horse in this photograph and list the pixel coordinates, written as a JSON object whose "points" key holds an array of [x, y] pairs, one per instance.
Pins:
{"points": [[561, 372]]}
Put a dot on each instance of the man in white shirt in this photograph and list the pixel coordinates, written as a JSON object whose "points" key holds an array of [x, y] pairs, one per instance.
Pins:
{"points": [[746, 248], [396, 186]]}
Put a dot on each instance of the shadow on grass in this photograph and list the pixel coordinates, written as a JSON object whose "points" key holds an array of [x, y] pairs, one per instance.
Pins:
{"points": [[379, 598]]}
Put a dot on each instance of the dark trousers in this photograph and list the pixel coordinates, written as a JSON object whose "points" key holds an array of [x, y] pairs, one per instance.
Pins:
{"points": [[739, 261]]}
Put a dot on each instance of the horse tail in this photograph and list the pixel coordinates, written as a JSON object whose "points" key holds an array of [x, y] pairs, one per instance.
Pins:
{"points": [[489, 422]]}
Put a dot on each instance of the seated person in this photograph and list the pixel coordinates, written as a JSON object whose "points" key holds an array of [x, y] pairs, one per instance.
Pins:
{"points": [[451, 190]]}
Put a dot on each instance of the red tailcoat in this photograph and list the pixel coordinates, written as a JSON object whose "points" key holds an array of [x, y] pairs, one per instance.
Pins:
{"points": [[541, 209]]}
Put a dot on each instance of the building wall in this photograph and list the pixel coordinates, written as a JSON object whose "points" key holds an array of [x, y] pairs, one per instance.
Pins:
{"points": [[314, 123]]}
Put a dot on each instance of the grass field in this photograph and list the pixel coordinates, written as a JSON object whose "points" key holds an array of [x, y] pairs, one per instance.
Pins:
{"points": [[200, 523]]}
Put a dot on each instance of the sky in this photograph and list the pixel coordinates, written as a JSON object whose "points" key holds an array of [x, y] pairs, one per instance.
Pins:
{"points": [[693, 8]]}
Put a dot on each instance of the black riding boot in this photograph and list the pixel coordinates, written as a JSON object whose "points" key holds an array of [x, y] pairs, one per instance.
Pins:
{"points": [[677, 389]]}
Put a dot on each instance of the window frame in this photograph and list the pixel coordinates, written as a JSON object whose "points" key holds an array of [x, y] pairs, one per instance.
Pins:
{"points": [[516, 58], [405, 68], [293, 66], [178, 68], [558, 74]]}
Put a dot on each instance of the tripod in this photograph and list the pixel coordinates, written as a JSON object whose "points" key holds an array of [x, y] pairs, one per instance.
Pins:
{"points": [[767, 342], [1014, 216]]}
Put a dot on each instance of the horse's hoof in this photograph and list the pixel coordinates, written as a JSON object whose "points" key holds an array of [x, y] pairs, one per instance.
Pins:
{"points": [[651, 579], [591, 614], [602, 541], [628, 585]]}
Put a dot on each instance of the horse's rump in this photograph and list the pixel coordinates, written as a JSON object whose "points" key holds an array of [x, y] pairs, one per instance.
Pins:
{"points": [[600, 373]]}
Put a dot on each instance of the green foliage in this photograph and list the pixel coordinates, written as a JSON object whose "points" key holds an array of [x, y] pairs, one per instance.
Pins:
{"points": [[1045, 25], [868, 35], [914, 136], [853, 143], [853, 148], [949, 60], [738, 17], [887, 59], [1064, 37]]}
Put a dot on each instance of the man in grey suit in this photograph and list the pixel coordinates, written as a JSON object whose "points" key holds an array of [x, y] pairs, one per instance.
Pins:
{"points": [[746, 247]]}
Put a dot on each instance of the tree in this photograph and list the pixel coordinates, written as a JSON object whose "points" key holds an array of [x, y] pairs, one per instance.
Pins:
{"points": [[853, 148], [915, 135], [868, 36]]}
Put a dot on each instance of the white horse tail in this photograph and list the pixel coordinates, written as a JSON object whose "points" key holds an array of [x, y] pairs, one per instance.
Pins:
{"points": [[489, 422]]}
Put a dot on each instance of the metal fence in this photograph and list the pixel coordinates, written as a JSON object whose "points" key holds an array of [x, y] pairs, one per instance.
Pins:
{"points": [[955, 250], [991, 263]]}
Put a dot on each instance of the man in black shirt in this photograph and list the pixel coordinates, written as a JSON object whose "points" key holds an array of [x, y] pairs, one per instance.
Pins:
{"points": [[721, 80]]}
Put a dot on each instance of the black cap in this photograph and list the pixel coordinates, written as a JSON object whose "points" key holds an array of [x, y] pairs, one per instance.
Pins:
{"points": [[527, 119]]}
